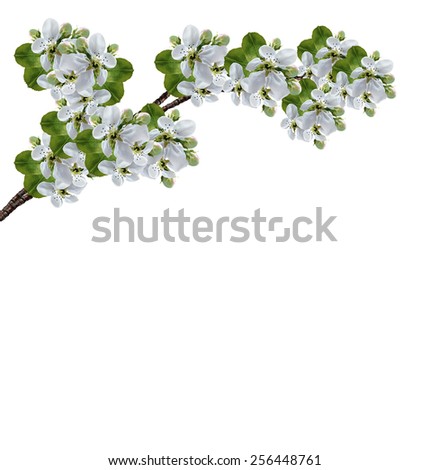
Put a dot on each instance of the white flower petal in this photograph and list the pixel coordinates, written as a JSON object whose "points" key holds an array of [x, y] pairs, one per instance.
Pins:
{"points": [[45, 189], [50, 29], [107, 167], [191, 36], [124, 155], [97, 44]]}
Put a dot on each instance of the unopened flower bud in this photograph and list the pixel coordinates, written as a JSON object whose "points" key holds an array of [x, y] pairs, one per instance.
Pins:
{"points": [[34, 34], [175, 115], [376, 55], [221, 40], [319, 144], [294, 87], [268, 111], [369, 111], [276, 44], [95, 120], [338, 111], [112, 48], [52, 78], [66, 48], [168, 182], [192, 159], [142, 119], [81, 45], [206, 37], [156, 150], [127, 116], [189, 142], [61, 103], [175, 41], [81, 33], [341, 35], [340, 124], [291, 71], [390, 92], [65, 30], [34, 141], [388, 79]]}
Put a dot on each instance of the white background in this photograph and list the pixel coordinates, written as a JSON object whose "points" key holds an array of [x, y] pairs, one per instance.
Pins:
{"points": [[230, 349]]}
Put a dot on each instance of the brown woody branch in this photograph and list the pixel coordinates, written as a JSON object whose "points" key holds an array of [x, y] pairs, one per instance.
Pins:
{"points": [[18, 200]]}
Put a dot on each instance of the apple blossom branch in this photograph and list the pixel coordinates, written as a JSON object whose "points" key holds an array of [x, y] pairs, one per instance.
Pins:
{"points": [[22, 196]]}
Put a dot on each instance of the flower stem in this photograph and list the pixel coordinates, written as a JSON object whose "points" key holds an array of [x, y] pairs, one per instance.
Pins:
{"points": [[176, 102], [18, 200]]}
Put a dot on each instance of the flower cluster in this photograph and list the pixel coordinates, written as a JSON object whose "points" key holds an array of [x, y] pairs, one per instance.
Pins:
{"points": [[133, 150], [75, 64], [76, 68], [268, 75], [363, 88], [89, 136]]}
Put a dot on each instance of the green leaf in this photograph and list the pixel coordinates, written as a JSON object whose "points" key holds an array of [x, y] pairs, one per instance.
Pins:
{"points": [[87, 143], [351, 62], [251, 44], [341, 65], [320, 35], [57, 143], [307, 87], [31, 74], [26, 165], [236, 56], [306, 46], [116, 90], [354, 56], [92, 163], [52, 126], [155, 112], [172, 80], [25, 57], [122, 72], [32, 181], [166, 64]]}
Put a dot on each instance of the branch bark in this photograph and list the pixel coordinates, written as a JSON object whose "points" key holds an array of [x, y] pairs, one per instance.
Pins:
{"points": [[18, 200], [175, 103], [161, 99]]}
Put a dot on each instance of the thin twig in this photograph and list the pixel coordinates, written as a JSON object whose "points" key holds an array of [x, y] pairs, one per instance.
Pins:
{"points": [[18, 200], [162, 98], [175, 103]]}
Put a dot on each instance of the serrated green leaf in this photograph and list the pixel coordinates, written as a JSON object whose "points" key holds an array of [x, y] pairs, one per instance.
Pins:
{"points": [[307, 87], [116, 90], [155, 113], [92, 163], [87, 143], [122, 72], [320, 35], [306, 46], [52, 125], [26, 165], [166, 64], [251, 44], [32, 181], [25, 57], [236, 56], [31, 74]]}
